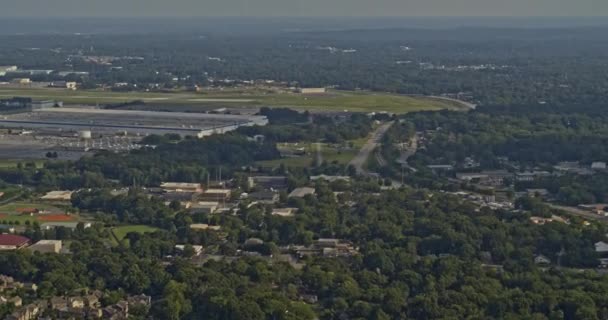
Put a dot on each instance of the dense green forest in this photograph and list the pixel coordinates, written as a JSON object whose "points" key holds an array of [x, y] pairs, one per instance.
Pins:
{"points": [[529, 138], [421, 256]]}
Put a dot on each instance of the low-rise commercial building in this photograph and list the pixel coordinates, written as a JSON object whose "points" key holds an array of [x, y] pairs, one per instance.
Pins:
{"points": [[268, 182], [218, 195], [47, 246], [181, 186]]}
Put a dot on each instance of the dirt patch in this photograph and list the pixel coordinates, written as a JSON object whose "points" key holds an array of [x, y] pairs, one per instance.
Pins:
{"points": [[56, 218]]}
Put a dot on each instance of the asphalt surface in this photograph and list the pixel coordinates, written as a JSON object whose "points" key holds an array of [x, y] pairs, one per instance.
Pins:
{"points": [[359, 160]]}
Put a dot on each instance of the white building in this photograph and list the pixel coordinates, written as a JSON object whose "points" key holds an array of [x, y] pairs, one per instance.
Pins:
{"points": [[601, 247], [197, 249], [311, 90], [6, 69]]}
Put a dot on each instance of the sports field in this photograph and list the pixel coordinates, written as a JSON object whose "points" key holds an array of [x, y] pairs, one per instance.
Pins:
{"points": [[121, 232], [359, 101]]}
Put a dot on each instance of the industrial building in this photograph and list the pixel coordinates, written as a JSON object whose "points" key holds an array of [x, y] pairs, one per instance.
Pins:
{"points": [[7, 69], [12, 242], [111, 122], [24, 104], [311, 90]]}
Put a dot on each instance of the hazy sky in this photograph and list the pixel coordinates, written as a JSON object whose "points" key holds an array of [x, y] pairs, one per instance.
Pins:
{"points": [[303, 7]]}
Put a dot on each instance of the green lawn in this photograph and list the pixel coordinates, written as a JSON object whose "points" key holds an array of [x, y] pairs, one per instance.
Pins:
{"points": [[12, 163], [359, 101], [121, 232], [12, 208], [330, 153]]}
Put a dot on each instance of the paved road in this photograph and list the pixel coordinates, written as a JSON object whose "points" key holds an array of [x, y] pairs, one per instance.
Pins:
{"points": [[579, 212], [359, 161], [465, 104]]}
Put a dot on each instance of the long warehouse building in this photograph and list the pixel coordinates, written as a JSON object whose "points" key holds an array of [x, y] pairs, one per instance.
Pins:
{"points": [[103, 121]]}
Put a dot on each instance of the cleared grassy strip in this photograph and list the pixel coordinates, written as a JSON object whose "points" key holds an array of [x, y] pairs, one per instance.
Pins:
{"points": [[329, 153], [359, 101], [121, 232]]}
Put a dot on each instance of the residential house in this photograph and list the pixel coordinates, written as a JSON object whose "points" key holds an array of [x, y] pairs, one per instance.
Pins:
{"points": [[181, 187], [181, 196], [204, 226], [531, 175], [197, 249], [440, 167], [69, 225], [542, 260], [59, 196], [284, 212], [15, 301], [28, 312], [301, 192], [330, 178], [601, 247]]}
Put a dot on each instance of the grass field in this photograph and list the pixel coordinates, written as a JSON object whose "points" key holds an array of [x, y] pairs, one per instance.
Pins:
{"points": [[121, 232], [330, 153], [15, 208], [360, 101], [12, 163], [15, 212]]}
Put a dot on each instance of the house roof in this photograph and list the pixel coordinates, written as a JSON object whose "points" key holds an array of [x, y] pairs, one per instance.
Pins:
{"points": [[12, 240], [301, 192]]}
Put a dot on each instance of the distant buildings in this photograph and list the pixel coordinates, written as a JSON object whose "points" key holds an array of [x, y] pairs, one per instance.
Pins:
{"points": [[601, 247], [268, 182], [598, 165], [68, 225], [542, 260], [325, 247], [493, 178], [197, 249], [311, 90], [58, 196], [70, 85], [181, 186], [24, 104], [531, 175], [204, 226], [216, 195], [330, 178], [440, 167], [301, 192], [7, 69], [284, 212]]}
